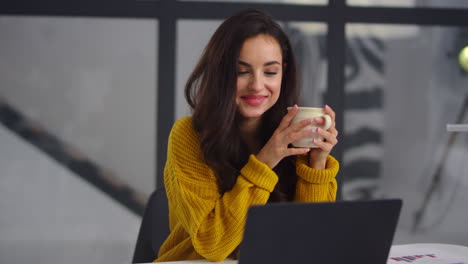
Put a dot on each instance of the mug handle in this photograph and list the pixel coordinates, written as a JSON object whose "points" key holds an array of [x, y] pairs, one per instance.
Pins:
{"points": [[328, 122]]}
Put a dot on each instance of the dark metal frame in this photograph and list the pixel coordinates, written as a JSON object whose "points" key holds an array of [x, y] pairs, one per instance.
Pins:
{"points": [[336, 15]]}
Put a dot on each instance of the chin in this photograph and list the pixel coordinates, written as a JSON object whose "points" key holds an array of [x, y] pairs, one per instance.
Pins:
{"points": [[252, 113]]}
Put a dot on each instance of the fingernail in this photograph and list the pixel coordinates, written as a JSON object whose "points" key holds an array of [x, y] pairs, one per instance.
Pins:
{"points": [[326, 106], [318, 129]]}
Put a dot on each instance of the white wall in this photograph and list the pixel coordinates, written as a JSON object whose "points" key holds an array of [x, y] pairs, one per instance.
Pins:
{"points": [[425, 90], [49, 215], [192, 37], [90, 82]]}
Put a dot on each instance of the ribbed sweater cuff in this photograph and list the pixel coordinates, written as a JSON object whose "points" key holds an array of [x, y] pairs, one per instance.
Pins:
{"points": [[259, 174], [318, 176]]}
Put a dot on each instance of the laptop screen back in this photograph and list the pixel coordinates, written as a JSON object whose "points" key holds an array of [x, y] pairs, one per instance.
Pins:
{"points": [[325, 233]]}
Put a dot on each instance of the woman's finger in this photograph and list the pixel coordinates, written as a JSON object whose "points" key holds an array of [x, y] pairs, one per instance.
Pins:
{"points": [[328, 136], [329, 111], [319, 121], [296, 151], [324, 146], [333, 131], [286, 121], [293, 136], [298, 126]]}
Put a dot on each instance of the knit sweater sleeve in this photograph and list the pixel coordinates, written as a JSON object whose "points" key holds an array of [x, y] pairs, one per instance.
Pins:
{"points": [[214, 222], [315, 185]]}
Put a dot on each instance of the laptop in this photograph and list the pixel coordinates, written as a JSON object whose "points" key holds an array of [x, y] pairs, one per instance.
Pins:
{"points": [[340, 232]]}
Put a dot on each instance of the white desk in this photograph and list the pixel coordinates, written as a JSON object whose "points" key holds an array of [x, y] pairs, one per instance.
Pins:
{"points": [[428, 253], [455, 249], [407, 248]]}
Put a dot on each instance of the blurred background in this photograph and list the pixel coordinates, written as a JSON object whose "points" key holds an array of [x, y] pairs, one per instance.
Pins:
{"points": [[90, 90]]}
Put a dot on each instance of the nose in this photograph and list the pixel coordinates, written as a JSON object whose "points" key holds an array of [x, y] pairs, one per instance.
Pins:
{"points": [[256, 82]]}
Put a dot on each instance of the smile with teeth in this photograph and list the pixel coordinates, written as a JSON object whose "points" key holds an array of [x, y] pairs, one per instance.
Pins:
{"points": [[253, 99]]}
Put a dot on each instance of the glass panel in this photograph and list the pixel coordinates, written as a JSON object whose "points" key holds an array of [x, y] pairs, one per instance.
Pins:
{"points": [[309, 45], [307, 39], [300, 2], [91, 83], [192, 37], [411, 3], [403, 85]]}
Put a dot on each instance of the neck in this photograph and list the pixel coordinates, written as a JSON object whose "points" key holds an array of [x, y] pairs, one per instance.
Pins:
{"points": [[249, 129]]}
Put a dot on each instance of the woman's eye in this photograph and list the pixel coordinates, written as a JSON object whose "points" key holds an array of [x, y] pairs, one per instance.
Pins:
{"points": [[242, 72], [270, 73]]}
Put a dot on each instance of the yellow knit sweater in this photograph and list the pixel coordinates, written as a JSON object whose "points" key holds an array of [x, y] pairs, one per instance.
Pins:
{"points": [[204, 224]]}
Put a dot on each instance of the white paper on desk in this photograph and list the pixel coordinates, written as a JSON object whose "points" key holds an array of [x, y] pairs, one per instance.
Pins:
{"points": [[426, 255]]}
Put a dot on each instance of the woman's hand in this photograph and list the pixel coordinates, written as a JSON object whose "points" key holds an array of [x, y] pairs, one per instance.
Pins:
{"points": [[277, 146], [318, 156]]}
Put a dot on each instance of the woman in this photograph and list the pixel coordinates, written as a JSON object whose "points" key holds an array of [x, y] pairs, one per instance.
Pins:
{"points": [[234, 151]]}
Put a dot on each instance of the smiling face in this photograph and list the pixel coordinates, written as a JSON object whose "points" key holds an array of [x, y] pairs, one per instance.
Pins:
{"points": [[260, 71]]}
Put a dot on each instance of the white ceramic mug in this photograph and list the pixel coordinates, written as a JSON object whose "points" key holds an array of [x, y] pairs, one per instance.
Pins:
{"points": [[310, 113]]}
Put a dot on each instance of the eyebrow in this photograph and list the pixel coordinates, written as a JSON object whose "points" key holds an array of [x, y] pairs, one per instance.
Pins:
{"points": [[265, 64]]}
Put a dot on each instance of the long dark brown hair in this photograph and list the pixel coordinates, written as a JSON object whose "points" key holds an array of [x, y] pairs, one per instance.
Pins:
{"points": [[211, 92]]}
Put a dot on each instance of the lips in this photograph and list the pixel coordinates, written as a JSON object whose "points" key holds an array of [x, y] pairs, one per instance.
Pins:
{"points": [[253, 99]]}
